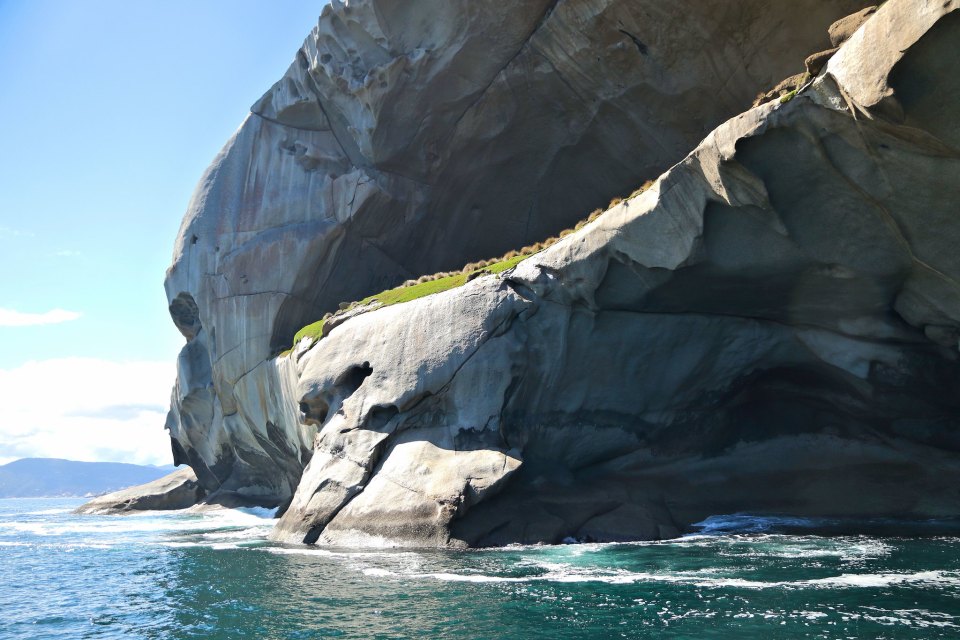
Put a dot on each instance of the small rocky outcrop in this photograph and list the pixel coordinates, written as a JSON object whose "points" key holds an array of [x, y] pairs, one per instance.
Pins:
{"points": [[177, 490], [840, 31]]}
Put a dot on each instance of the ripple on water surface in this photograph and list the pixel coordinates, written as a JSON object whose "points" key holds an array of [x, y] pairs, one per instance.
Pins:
{"points": [[214, 575]]}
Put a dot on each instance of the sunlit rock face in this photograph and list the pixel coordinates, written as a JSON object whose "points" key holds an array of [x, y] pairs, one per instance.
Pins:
{"points": [[177, 490], [410, 137], [772, 327]]}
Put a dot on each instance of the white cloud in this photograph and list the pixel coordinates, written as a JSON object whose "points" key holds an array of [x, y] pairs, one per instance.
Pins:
{"points": [[86, 409], [10, 232], [13, 318]]}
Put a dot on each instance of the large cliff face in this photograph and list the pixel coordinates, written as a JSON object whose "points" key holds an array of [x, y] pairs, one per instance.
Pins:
{"points": [[411, 137], [772, 326]]}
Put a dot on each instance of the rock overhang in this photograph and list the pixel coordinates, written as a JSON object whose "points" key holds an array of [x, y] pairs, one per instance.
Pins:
{"points": [[335, 209]]}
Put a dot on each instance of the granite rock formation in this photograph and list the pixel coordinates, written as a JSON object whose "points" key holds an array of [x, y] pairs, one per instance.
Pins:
{"points": [[177, 490], [409, 137], [773, 326]]}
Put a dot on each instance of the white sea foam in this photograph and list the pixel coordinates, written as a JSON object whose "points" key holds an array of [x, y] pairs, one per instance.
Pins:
{"points": [[749, 523], [234, 528], [920, 618], [461, 577], [299, 551], [252, 533], [556, 568], [260, 512], [802, 548], [43, 512], [124, 524], [811, 615], [343, 553], [176, 544], [218, 529], [560, 574]]}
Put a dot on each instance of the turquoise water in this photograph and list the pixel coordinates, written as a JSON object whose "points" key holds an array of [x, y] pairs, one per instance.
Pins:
{"points": [[185, 575]]}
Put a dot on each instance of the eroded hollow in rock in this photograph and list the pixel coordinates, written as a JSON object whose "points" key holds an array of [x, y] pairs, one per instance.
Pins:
{"points": [[313, 411], [351, 380], [317, 407], [186, 315]]}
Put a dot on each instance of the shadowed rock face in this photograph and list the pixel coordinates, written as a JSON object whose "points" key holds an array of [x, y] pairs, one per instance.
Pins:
{"points": [[409, 137], [773, 326]]}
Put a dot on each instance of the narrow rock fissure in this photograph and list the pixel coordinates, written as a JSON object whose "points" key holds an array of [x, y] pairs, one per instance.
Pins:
{"points": [[546, 15], [374, 461]]}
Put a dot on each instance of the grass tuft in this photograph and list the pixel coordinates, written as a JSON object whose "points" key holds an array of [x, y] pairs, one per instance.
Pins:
{"points": [[508, 263], [314, 331], [430, 284], [646, 185], [444, 282], [424, 287]]}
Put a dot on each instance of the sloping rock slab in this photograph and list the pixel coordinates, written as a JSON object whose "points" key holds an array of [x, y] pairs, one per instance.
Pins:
{"points": [[178, 490]]}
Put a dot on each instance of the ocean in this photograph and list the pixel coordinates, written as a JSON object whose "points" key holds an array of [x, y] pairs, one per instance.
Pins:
{"points": [[215, 575]]}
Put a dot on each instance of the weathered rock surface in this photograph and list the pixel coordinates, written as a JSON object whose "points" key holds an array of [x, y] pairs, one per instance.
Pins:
{"points": [[177, 490], [841, 30], [410, 137], [773, 326]]}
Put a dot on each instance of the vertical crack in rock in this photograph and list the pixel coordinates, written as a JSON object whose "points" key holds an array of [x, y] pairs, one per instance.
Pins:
{"points": [[642, 48], [493, 78]]}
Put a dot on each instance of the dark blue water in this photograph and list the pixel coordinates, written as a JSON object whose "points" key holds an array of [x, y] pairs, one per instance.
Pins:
{"points": [[215, 576]]}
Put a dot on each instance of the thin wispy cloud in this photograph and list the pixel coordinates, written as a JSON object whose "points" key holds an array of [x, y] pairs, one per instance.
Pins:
{"points": [[10, 232], [86, 409], [14, 318], [118, 411]]}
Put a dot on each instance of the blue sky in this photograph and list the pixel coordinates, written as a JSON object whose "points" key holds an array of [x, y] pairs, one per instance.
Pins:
{"points": [[109, 113]]}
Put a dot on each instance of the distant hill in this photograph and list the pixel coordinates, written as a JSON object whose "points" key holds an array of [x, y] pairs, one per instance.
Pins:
{"points": [[50, 477]]}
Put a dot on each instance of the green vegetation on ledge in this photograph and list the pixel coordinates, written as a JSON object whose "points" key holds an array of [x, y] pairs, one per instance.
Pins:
{"points": [[444, 281], [408, 292], [314, 330], [412, 292], [788, 97]]}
